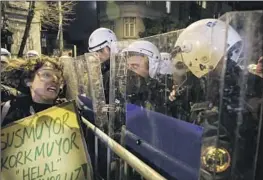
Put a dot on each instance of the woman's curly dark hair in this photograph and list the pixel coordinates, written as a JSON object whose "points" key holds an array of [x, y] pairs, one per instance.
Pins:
{"points": [[18, 70]]}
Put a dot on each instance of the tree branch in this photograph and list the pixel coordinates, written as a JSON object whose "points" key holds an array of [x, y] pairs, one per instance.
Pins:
{"points": [[49, 13]]}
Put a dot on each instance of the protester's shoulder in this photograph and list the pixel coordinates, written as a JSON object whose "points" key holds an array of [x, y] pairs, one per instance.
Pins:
{"points": [[18, 102], [9, 92], [17, 99], [12, 107]]}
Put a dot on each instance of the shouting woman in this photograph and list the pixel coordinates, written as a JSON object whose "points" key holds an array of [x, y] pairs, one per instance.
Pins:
{"points": [[43, 78]]}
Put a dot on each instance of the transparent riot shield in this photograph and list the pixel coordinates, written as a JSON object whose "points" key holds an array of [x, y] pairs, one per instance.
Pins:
{"points": [[165, 42], [247, 98], [117, 100], [71, 77], [84, 81], [93, 65], [76, 77], [83, 77], [146, 131], [226, 97], [124, 84]]}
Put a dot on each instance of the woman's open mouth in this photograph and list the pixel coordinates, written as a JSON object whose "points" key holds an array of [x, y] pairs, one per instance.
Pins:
{"points": [[52, 89]]}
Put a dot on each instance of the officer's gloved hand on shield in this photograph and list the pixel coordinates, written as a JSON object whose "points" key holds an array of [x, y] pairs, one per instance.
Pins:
{"points": [[179, 79]]}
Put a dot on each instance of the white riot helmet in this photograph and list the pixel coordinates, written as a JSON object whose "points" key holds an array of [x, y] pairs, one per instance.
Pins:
{"points": [[203, 45], [5, 55], [150, 50], [5, 52], [32, 53], [101, 38]]}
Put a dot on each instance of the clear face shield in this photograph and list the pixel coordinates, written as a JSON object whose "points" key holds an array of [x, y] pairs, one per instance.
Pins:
{"points": [[137, 74], [130, 70]]}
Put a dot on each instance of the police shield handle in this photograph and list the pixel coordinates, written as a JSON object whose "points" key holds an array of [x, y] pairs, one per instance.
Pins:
{"points": [[146, 171]]}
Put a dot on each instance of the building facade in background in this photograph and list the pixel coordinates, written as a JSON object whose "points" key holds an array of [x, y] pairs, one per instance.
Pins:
{"points": [[126, 18], [16, 16]]}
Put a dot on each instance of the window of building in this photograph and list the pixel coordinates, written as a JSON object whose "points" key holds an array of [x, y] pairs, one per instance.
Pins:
{"points": [[148, 3], [204, 4], [168, 7], [199, 3], [129, 27]]}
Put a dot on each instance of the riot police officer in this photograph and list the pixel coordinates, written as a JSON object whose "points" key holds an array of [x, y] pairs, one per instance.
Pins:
{"points": [[229, 121]]}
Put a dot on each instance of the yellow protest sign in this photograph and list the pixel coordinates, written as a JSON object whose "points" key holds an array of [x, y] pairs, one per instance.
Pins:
{"points": [[46, 146]]}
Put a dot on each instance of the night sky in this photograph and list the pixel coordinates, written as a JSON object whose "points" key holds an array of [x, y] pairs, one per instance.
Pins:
{"points": [[85, 21], [84, 24]]}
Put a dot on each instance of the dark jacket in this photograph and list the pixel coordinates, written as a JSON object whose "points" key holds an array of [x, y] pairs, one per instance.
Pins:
{"points": [[8, 93], [105, 70], [20, 108]]}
